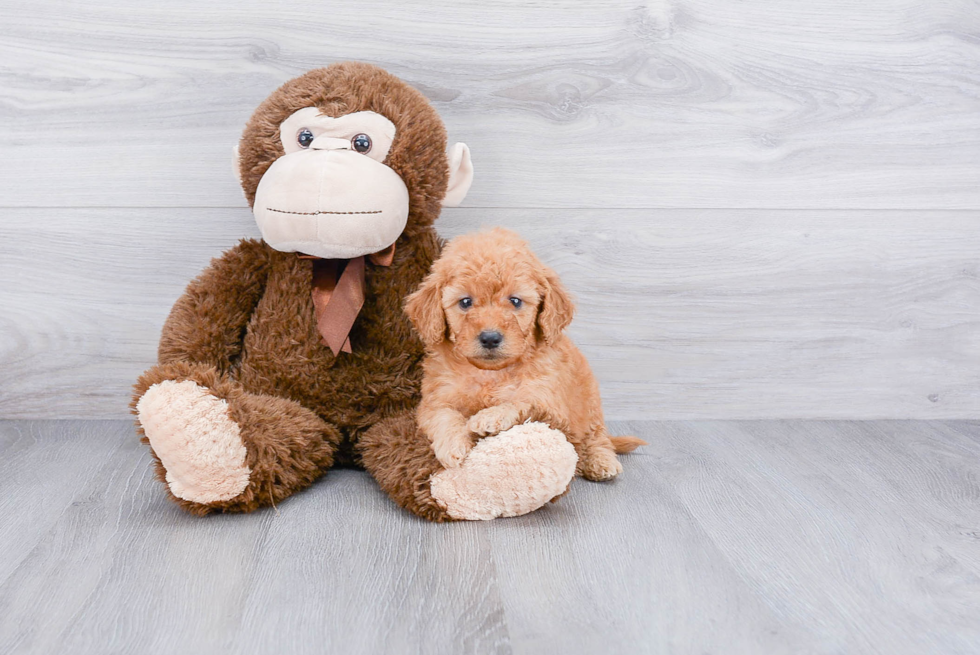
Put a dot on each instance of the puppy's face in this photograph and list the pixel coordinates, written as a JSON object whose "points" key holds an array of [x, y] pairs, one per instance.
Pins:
{"points": [[491, 321], [490, 299]]}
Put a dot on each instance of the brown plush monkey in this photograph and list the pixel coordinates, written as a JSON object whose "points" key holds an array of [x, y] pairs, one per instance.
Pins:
{"points": [[292, 354]]}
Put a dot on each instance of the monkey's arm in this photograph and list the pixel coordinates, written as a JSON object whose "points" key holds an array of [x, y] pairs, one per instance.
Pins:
{"points": [[207, 323]]}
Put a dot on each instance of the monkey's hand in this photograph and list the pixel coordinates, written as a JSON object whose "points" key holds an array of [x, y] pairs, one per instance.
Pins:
{"points": [[494, 420]]}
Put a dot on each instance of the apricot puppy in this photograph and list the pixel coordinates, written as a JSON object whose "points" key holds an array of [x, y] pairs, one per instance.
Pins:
{"points": [[492, 318]]}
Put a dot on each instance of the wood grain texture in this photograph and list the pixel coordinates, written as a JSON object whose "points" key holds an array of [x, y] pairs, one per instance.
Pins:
{"points": [[683, 313], [720, 537], [606, 103], [828, 542], [760, 537]]}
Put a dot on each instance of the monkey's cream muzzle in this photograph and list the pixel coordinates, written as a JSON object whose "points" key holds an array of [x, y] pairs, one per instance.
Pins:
{"points": [[335, 204], [326, 199], [330, 197]]}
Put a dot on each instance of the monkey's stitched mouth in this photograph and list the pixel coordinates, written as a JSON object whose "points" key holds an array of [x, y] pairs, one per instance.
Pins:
{"points": [[317, 213]]}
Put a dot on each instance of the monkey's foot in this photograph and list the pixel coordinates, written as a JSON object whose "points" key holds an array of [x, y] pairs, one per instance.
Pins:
{"points": [[512, 473], [198, 443]]}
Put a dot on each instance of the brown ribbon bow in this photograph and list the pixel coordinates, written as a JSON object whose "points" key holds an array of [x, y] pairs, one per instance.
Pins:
{"points": [[338, 295]]}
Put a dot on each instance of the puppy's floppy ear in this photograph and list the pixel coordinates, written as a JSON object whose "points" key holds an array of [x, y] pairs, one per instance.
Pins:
{"points": [[424, 309], [556, 308]]}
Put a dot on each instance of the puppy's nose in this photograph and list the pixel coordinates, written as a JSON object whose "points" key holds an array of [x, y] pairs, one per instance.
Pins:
{"points": [[490, 339]]}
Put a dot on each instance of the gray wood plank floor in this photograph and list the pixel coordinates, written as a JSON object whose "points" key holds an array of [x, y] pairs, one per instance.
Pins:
{"points": [[720, 537]]}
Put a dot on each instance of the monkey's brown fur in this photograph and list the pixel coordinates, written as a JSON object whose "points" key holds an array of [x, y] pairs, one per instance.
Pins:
{"points": [[245, 328]]}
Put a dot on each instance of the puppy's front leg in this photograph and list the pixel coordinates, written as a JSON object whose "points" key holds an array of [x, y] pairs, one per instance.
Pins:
{"points": [[495, 419], [446, 429]]}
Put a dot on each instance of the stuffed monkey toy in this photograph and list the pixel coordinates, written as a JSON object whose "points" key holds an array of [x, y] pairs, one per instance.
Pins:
{"points": [[292, 354]]}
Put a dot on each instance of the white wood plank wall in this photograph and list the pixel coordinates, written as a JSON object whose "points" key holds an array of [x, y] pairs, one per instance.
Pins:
{"points": [[765, 209]]}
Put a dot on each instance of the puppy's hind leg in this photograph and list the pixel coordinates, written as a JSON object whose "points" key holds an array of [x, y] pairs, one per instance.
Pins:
{"points": [[598, 463], [597, 456]]}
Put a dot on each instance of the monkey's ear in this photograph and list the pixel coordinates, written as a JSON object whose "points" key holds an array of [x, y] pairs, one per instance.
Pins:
{"points": [[236, 164], [557, 307], [460, 175], [424, 310]]}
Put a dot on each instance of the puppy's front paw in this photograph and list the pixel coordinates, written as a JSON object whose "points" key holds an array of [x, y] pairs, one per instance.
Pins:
{"points": [[600, 465], [451, 451], [493, 420]]}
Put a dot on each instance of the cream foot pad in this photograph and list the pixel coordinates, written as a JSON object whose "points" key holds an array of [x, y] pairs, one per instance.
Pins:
{"points": [[512, 473], [199, 444]]}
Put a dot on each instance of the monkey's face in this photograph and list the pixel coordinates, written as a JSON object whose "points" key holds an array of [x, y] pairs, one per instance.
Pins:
{"points": [[339, 162], [331, 194]]}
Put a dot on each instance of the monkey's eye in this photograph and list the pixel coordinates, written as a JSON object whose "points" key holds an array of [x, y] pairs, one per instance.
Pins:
{"points": [[361, 143], [465, 303], [516, 302], [304, 138]]}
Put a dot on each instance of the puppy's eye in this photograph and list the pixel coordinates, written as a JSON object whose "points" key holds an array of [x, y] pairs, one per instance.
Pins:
{"points": [[465, 303], [304, 138], [516, 302]]}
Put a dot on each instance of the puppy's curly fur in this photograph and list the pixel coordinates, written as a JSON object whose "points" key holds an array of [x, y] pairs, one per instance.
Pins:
{"points": [[492, 317]]}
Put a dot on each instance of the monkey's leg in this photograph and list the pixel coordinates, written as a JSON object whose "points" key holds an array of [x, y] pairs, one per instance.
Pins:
{"points": [[512, 473], [219, 448]]}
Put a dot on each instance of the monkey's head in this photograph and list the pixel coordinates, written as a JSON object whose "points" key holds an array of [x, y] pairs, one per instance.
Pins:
{"points": [[341, 161]]}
